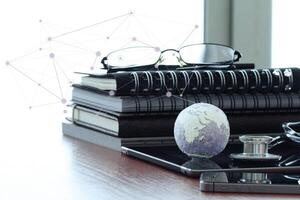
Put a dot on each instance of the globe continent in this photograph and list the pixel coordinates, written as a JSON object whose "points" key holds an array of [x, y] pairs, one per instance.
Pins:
{"points": [[201, 130]]}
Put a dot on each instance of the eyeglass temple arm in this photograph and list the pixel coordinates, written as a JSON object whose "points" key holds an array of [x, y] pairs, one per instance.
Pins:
{"points": [[103, 62], [237, 56]]}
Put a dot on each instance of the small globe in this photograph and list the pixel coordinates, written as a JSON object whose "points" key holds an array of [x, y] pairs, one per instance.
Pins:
{"points": [[201, 130]]}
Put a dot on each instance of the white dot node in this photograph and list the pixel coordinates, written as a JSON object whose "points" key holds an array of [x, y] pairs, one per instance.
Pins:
{"points": [[49, 39], [7, 63], [98, 53], [51, 55], [134, 39], [169, 94], [111, 93], [181, 95], [287, 72], [156, 66], [276, 73], [63, 101], [196, 26]]}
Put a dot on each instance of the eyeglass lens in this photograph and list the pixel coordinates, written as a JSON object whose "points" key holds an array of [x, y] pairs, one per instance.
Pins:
{"points": [[192, 54]]}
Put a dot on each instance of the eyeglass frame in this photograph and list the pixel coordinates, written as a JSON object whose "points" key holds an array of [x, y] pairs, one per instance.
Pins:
{"points": [[236, 57]]}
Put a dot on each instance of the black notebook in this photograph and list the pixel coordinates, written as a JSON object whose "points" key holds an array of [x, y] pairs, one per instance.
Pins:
{"points": [[237, 103], [179, 82], [112, 142], [162, 124]]}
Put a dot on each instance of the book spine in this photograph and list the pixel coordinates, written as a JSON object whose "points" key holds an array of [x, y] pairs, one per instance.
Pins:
{"points": [[180, 82]]}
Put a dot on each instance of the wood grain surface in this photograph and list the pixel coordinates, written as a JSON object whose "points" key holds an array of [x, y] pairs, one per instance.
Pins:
{"points": [[37, 162]]}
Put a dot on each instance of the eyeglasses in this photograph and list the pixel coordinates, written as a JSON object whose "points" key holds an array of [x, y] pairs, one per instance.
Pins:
{"points": [[190, 56]]}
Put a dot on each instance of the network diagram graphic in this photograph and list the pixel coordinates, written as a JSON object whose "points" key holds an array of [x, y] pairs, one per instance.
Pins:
{"points": [[45, 74]]}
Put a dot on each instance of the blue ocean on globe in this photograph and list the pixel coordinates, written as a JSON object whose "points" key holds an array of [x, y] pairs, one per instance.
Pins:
{"points": [[201, 130]]}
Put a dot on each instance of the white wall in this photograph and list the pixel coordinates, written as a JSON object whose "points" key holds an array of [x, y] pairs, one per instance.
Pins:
{"points": [[245, 25], [285, 33]]}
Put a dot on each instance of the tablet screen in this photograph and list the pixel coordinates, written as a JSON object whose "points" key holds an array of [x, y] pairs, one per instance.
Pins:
{"points": [[171, 157]]}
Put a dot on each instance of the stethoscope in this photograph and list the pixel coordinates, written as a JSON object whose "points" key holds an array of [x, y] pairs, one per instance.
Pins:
{"points": [[256, 147], [289, 135], [293, 160]]}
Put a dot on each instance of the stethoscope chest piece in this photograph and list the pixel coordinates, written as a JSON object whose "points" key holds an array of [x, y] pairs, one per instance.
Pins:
{"points": [[255, 149]]}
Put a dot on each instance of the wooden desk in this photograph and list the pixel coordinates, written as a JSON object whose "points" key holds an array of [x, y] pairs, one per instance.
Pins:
{"points": [[37, 162], [115, 176]]}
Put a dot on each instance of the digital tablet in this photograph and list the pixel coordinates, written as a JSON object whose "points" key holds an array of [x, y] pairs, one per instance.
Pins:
{"points": [[170, 157]]}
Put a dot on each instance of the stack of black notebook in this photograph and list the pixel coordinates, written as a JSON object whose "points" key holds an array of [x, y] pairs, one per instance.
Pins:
{"points": [[140, 106]]}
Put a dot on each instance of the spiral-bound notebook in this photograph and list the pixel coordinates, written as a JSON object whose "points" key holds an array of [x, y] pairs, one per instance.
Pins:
{"points": [[195, 81], [230, 103]]}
